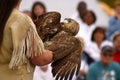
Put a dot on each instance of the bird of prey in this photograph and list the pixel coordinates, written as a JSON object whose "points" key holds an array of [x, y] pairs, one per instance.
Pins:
{"points": [[59, 37]]}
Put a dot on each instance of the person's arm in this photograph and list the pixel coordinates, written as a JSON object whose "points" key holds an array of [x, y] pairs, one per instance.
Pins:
{"points": [[114, 27], [42, 59], [43, 56], [26, 43]]}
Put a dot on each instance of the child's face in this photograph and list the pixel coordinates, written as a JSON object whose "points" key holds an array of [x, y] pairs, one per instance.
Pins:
{"points": [[88, 19], [99, 36], [38, 10]]}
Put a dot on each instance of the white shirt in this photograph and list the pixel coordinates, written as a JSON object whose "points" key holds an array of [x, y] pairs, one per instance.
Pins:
{"points": [[86, 32], [41, 75], [93, 51], [84, 66], [76, 17]]}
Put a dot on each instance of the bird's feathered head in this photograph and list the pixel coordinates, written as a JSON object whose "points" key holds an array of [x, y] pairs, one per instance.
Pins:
{"points": [[70, 26], [48, 25], [48, 19]]}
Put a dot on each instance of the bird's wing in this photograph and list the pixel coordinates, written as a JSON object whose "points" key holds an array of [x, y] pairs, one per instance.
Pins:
{"points": [[65, 68], [61, 45], [67, 50]]}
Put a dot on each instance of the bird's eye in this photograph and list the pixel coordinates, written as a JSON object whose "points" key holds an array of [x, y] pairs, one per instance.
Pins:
{"points": [[69, 20]]}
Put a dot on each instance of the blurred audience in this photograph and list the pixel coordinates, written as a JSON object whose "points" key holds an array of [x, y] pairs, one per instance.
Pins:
{"points": [[89, 17], [86, 29], [116, 43], [38, 9], [43, 73], [114, 23], [93, 49], [96, 48], [86, 19], [81, 9], [92, 52], [105, 69]]}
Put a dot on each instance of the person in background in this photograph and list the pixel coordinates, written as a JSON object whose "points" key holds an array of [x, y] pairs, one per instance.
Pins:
{"points": [[114, 22], [116, 43], [105, 69], [92, 52], [89, 17], [81, 9], [38, 9], [93, 49], [86, 29], [43, 73]]}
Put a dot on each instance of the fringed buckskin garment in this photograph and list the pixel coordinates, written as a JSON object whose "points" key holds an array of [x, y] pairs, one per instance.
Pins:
{"points": [[20, 42]]}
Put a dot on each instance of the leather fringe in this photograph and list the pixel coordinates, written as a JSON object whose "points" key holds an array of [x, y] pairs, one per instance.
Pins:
{"points": [[28, 47]]}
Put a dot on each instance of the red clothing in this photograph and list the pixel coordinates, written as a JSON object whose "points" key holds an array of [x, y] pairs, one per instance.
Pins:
{"points": [[116, 57]]}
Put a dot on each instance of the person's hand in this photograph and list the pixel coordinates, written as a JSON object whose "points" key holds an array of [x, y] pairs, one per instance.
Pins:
{"points": [[43, 59], [48, 52]]}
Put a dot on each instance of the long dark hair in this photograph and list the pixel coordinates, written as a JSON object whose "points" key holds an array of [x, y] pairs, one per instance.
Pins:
{"points": [[6, 7], [33, 7], [98, 28]]}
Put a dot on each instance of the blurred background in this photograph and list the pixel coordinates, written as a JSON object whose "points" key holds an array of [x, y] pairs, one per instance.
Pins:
{"points": [[68, 8], [99, 22]]}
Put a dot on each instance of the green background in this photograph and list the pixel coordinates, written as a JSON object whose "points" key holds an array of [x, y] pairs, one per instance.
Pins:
{"points": [[109, 2]]}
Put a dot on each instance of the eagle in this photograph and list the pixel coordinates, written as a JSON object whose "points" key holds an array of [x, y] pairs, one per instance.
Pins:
{"points": [[59, 37]]}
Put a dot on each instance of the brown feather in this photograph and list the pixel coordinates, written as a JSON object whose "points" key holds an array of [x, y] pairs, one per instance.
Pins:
{"points": [[59, 38]]}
